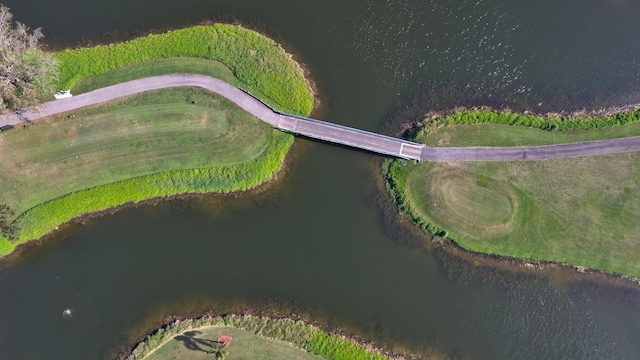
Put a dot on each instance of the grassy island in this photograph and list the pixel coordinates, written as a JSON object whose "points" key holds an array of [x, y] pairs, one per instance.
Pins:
{"points": [[579, 211], [253, 338], [155, 144]]}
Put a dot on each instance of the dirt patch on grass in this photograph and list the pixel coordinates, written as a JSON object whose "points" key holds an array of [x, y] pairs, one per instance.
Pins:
{"points": [[73, 132], [444, 141], [204, 120]]}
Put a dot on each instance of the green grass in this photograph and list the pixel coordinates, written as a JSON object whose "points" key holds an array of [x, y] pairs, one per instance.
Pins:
{"points": [[151, 145], [259, 64], [308, 339], [487, 128], [6, 246], [501, 135], [157, 67], [155, 144], [578, 211], [488, 206]]}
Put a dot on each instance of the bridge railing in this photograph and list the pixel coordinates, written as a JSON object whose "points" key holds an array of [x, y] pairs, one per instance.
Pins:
{"points": [[364, 132]]}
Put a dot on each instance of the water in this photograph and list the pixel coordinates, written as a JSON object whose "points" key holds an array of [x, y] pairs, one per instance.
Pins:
{"points": [[321, 242]]}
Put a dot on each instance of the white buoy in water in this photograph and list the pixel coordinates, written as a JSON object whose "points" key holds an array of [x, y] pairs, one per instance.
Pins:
{"points": [[66, 314]]}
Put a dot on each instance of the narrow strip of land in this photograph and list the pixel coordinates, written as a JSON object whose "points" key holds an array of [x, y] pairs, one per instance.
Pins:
{"points": [[319, 129], [546, 152]]}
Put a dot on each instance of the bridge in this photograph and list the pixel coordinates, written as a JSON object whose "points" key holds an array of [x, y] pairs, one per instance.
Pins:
{"points": [[321, 130], [344, 135]]}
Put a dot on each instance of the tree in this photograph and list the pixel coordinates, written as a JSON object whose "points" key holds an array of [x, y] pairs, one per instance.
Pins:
{"points": [[8, 227], [218, 350], [27, 74]]}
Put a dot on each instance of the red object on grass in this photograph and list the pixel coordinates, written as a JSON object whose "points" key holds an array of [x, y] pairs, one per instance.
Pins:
{"points": [[226, 340]]}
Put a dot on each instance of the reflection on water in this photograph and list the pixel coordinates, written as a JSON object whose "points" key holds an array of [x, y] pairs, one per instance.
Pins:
{"points": [[324, 242]]}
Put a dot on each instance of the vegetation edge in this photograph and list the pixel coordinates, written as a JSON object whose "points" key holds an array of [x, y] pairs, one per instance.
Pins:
{"points": [[395, 172], [298, 333], [46, 217], [244, 51]]}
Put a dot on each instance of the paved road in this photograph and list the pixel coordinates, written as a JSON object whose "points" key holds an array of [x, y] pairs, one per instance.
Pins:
{"points": [[532, 153], [322, 130], [298, 125], [110, 93]]}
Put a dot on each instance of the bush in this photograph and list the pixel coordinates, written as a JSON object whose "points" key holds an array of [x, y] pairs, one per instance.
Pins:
{"points": [[551, 123]]}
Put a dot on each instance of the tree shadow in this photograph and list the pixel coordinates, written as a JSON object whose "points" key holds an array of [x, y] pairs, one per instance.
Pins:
{"points": [[192, 342]]}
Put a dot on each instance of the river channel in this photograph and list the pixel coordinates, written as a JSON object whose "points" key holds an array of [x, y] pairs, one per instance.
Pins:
{"points": [[323, 240]]}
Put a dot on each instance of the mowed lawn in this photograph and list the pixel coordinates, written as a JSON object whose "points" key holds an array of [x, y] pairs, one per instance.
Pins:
{"points": [[581, 211], [194, 344], [159, 131], [181, 65]]}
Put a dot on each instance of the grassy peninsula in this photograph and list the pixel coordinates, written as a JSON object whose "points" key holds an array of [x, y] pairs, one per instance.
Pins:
{"points": [[578, 211], [156, 144], [253, 338], [261, 66], [489, 128]]}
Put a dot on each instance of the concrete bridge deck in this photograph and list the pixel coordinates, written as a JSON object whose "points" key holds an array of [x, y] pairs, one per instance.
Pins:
{"points": [[320, 129], [350, 137]]}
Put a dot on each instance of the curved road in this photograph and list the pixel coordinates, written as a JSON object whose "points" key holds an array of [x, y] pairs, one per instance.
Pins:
{"points": [[320, 129]]}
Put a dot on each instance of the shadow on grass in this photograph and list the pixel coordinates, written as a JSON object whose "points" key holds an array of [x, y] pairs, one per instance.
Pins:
{"points": [[192, 342]]}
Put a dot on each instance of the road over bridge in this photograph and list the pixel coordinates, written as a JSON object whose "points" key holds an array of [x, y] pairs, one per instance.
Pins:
{"points": [[320, 129]]}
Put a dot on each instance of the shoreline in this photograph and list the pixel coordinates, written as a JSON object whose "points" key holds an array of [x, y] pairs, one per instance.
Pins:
{"points": [[434, 120], [260, 162], [450, 253], [440, 235], [225, 20], [278, 55], [570, 273], [609, 111], [84, 218], [172, 323], [407, 129]]}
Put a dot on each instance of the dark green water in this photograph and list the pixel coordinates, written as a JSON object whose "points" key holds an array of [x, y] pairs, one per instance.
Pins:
{"points": [[319, 242]]}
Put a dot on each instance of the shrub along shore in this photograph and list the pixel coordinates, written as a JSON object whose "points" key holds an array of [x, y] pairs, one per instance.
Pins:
{"points": [[47, 188], [548, 122], [301, 335], [576, 211]]}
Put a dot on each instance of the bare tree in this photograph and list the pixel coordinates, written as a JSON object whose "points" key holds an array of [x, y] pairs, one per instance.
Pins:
{"points": [[27, 74]]}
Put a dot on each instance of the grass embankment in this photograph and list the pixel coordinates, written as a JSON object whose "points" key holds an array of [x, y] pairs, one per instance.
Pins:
{"points": [[260, 65], [164, 143], [151, 145], [253, 338], [486, 128], [182, 65], [579, 211]]}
